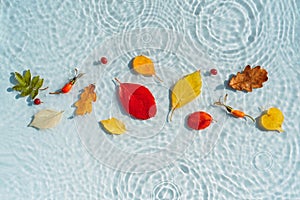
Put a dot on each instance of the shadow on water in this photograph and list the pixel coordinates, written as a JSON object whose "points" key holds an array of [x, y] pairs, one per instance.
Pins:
{"points": [[13, 81], [31, 120], [207, 74], [97, 62], [170, 106], [130, 64]]}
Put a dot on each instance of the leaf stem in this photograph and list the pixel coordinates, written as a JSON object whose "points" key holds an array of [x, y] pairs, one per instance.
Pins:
{"points": [[116, 79], [44, 88], [171, 112], [158, 78], [55, 92], [250, 117]]}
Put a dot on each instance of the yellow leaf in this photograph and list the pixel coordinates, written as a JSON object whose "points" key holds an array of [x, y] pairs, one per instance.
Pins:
{"points": [[272, 120], [186, 90], [84, 104], [144, 65], [113, 126], [46, 119]]}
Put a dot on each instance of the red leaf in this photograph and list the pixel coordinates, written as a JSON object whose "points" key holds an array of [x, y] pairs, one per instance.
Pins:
{"points": [[199, 120], [137, 100]]}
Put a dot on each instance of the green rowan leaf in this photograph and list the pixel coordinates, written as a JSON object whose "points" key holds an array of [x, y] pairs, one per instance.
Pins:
{"points": [[26, 91], [20, 79], [34, 93], [18, 87], [35, 80], [39, 84], [27, 77], [26, 85]]}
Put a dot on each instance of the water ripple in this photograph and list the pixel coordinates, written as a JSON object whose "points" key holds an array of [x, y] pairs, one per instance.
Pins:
{"points": [[190, 7], [49, 27], [239, 31], [159, 16], [113, 16], [181, 180]]}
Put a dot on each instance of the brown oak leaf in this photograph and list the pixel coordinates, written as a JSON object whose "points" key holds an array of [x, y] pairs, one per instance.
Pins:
{"points": [[84, 104], [249, 78]]}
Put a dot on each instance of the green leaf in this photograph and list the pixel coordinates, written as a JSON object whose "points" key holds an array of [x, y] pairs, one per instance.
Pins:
{"points": [[18, 87], [39, 84], [20, 79], [27, 77], [34, 93], [35, 80], [26, 91], [27, 86]]}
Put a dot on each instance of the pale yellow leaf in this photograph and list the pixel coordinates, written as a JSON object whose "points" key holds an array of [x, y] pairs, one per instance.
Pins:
{"points": [[185, 90], [113, 126], [46, 119]]}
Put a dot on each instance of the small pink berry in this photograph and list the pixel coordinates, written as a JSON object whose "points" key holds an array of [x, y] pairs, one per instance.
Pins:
{"points": [[213, 72], [103, 60], [37, 101]]}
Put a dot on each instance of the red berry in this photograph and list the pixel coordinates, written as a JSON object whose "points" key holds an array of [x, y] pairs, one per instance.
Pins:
{"points": [[37, 101], [103, 60], [213, 72]]}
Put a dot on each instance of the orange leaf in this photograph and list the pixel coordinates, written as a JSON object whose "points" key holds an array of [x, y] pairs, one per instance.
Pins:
{"points": [[84, 104], [144, 65], [249, 78]]}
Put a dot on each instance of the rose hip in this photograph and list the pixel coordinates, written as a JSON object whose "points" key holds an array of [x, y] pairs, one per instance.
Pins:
{"points": [[213, 72], [103, 60], [37, 101]]}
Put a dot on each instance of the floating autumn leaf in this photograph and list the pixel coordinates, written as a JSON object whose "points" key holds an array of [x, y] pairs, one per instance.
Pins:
{"points": [[28, 86], [249, 78], [113, 126], [199, 120], [272, 120], [185, 90], [84, 104], [137, 100], [144, 65], [46, 119]]}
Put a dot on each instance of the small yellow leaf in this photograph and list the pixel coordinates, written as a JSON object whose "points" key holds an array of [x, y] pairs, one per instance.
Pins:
{"points": [[186, 90], [84, 104], [46, 119], [113, 126], [144, 65], [272, 120]]}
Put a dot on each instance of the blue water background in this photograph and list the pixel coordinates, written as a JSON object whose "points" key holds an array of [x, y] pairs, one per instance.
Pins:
{"points": [[232, 159]]}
